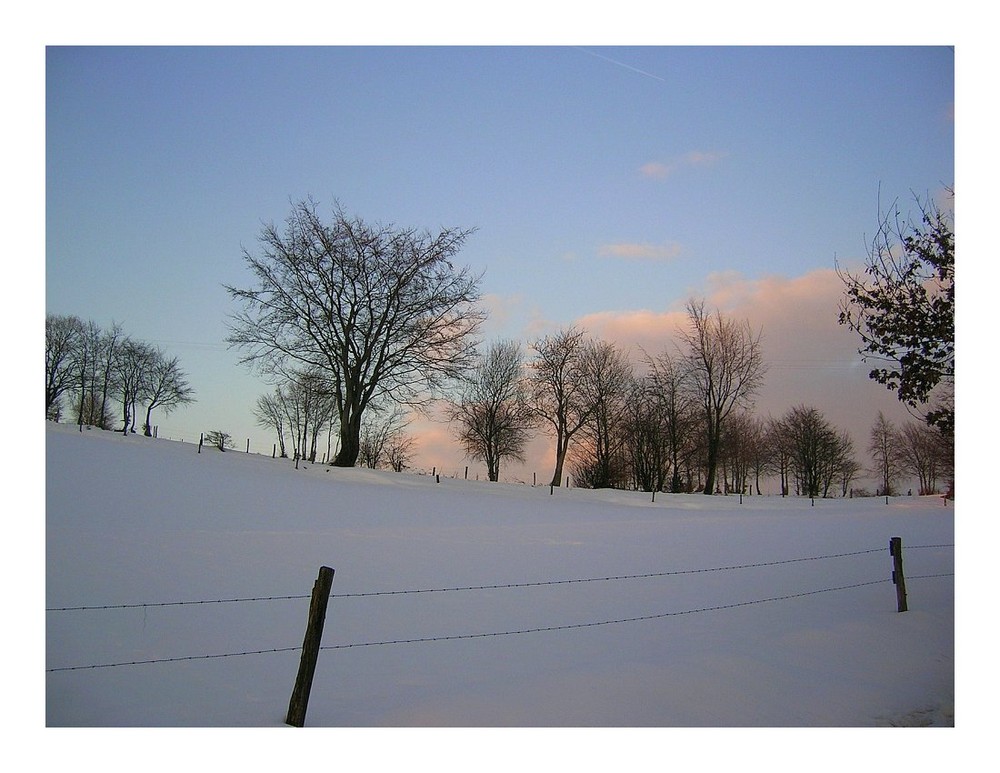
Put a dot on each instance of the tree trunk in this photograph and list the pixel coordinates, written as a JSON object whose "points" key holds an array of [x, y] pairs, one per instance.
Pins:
{"points": [[713, 463], [350, 442], [561, 446], [714, 450]]}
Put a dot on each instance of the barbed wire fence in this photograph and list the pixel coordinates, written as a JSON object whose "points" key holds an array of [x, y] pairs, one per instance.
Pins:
{"points": [[498, 586]]}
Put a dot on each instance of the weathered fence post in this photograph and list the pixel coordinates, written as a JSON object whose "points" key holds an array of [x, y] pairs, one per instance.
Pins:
{"points": [[201, 442], [896, 551], [296, 716]]}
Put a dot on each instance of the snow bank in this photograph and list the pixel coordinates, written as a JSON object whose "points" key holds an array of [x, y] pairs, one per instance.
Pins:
{"points": [[141, 521]]}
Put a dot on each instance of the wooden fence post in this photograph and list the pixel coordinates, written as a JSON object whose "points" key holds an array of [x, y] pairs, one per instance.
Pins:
{"points": [[896, 551], [296, 716]]}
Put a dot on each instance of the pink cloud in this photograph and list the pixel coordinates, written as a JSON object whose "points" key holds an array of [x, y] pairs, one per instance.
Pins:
{"points": [[662, 169], [641, 251]]}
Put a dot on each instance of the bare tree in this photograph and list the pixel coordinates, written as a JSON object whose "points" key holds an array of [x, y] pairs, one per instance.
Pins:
{"points": [[269, 413], [219, 439], [106, 346], [380, 310], [166, 385], [62, 334], [671, 384], [884, 449], [727, 368], [606, 379], [380, 434], [86, 356], [818, 456], [741, 453], [557, 389], [850, 468], [647, 433], [924, 453], [778, 454], [306, 398], [399, 452], [132, 367], [493, 415]]}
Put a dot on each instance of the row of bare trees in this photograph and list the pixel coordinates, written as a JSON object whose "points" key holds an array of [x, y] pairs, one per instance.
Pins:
{"points": [[90, 372], [916, 450], [681, 421], [625, 429]]}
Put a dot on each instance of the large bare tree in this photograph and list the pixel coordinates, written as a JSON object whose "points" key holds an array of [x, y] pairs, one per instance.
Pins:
{"points": [[381, 310], [726, 366]]}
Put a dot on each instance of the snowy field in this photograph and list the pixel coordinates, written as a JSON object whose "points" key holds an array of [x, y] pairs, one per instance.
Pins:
{"points": [[767, 613]]}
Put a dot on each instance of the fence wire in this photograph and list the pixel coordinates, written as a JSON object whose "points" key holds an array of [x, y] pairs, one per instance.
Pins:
{"points": [[499, 586], [455, 637]]}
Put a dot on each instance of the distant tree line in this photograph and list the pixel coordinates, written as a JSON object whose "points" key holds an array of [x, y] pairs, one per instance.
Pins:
{"points": [[105, 378], [681, 421], [662, 429]]}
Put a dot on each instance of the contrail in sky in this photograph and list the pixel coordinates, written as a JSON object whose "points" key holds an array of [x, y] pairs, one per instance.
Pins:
{"points": [[622, 64]]}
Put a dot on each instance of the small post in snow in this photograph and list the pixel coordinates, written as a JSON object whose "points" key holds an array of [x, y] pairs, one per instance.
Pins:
{"points": [[296, 716], [896, 551]]}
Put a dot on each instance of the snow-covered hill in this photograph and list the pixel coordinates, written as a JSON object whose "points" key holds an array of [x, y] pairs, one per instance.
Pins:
{"points": [[141, 521]]}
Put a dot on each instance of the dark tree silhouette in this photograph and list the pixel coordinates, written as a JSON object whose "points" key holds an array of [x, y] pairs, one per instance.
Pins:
{"points": [[381, 311], [903, 307]]}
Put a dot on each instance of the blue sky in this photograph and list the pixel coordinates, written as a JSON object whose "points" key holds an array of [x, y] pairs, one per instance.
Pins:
{"points": [[607, 186]]}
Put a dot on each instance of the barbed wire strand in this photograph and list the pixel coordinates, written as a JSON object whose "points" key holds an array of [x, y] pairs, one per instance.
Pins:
{"points": [[603, 579], [174, 660], [606, 622], [174, 603], [502, 586], [455, 637]]}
